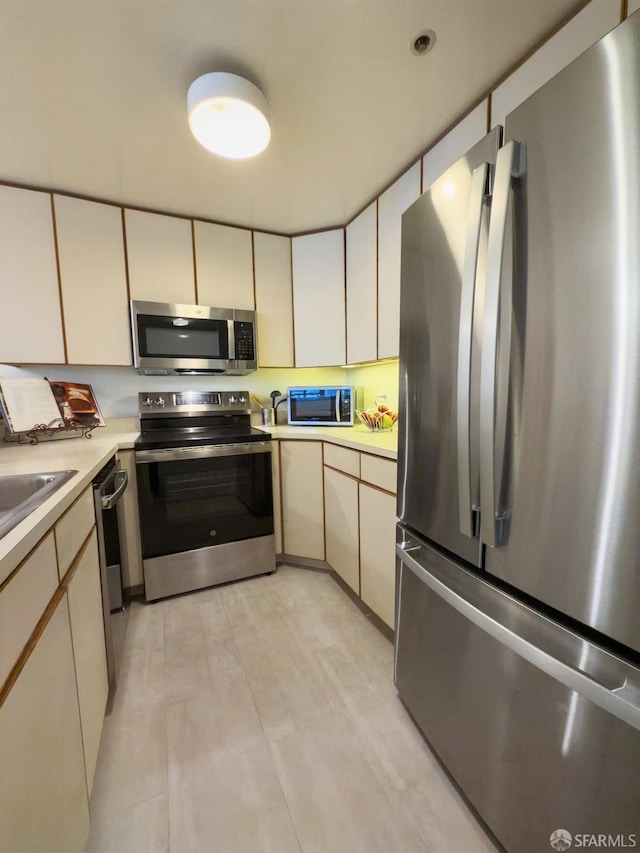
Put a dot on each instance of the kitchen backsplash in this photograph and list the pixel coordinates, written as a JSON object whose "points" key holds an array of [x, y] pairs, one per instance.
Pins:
{"points": [[116, 388]]}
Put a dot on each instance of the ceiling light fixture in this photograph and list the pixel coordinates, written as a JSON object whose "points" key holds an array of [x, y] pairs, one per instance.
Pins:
{"points": [[423, 44], [228, 115]]}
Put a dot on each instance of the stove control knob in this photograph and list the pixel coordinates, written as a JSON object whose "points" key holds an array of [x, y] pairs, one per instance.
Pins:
{"points": [[232, 398], [242, 399], [159, 401], [147, 401]]}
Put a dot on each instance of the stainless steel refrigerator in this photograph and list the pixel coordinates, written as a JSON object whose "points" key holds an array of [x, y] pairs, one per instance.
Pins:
{"points": [[518, 557]]}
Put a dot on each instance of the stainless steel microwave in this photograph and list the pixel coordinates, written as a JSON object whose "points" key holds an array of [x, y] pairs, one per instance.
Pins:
{"points": [[323, 405], [176, 339]]}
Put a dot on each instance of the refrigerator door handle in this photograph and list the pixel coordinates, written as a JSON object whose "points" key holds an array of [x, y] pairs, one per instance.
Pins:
{"points": [[465, 341], [497, 306], [620, 699]]}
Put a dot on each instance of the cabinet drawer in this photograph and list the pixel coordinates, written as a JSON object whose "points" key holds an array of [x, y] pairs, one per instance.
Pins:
{"points": [[72, 529], [23, 601], [342, 459], [379, 472]]}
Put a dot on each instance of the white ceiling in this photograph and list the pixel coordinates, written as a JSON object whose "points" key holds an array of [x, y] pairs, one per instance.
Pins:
{"points": [[93, 96]]}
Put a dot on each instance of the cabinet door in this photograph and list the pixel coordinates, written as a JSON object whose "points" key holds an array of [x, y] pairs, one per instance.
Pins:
{"points": [[341, 525], [224, 266], [87, 631], [362, 286], [589, 25], [319, 299], [391, 205], [274, 299], [93, 281], [29, 293], [302, 499], [23, 600], [377, 551], [43, 793], [160, 257]]}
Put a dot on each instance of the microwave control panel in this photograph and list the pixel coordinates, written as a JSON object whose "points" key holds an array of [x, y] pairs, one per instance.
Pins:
{"points": [[243, 333]]}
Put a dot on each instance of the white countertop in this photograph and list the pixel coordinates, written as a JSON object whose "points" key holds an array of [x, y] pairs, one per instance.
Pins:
{"points": [[88, 455], [357, 437]]}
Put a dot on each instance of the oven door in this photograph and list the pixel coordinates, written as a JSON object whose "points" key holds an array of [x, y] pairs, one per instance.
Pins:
{"points": [[197, 497]]}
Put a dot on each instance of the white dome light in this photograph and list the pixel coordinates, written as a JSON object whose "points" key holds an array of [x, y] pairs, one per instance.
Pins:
{"points": [[228, 115]]}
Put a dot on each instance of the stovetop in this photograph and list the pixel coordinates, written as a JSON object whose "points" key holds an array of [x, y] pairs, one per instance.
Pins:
{"points": [[195, 418]]}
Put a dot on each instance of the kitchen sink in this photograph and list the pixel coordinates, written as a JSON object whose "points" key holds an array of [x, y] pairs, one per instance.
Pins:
{"points": [[20, 494]]}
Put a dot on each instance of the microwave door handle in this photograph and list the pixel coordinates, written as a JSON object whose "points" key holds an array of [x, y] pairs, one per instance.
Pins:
{"points": [[496, 323], [338, 393], [231, 336], [465, 340]]}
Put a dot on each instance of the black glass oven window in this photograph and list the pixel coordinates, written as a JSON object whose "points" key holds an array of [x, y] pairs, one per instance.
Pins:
{"points": [[195, 503], [159, 338]]}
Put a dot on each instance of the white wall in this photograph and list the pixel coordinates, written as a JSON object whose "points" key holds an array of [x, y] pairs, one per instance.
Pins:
{"points": [[377, 380]]}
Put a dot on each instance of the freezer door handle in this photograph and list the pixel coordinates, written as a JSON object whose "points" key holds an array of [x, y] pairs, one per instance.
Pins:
{"points": [[466, 446], [496, 330], [613, 692]]}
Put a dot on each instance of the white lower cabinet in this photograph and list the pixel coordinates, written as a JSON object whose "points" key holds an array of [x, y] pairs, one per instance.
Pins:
{"points": [[341, 526], [87, 630], [302, 499], [43, 793], [360, 520], [53, 688], [377, 551], [353, 526]]}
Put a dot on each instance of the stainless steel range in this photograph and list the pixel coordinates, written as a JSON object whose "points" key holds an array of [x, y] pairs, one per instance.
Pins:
{"points": [[204, 491]]}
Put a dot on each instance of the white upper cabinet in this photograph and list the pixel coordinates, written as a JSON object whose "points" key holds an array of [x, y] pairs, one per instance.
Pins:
{"points": [[29, 292], [160, 257], [319, 298], [362, 286], [589, 25], [224, 266], [94, 281], [454, 145], [391, 205], [274, 299]]}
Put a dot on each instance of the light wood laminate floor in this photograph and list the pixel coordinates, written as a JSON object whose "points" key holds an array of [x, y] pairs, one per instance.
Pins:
{"points": [[261, 716]]}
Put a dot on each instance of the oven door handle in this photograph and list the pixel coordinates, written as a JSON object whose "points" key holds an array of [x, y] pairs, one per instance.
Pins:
{"points": [[177, 454], [120, 479]]}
